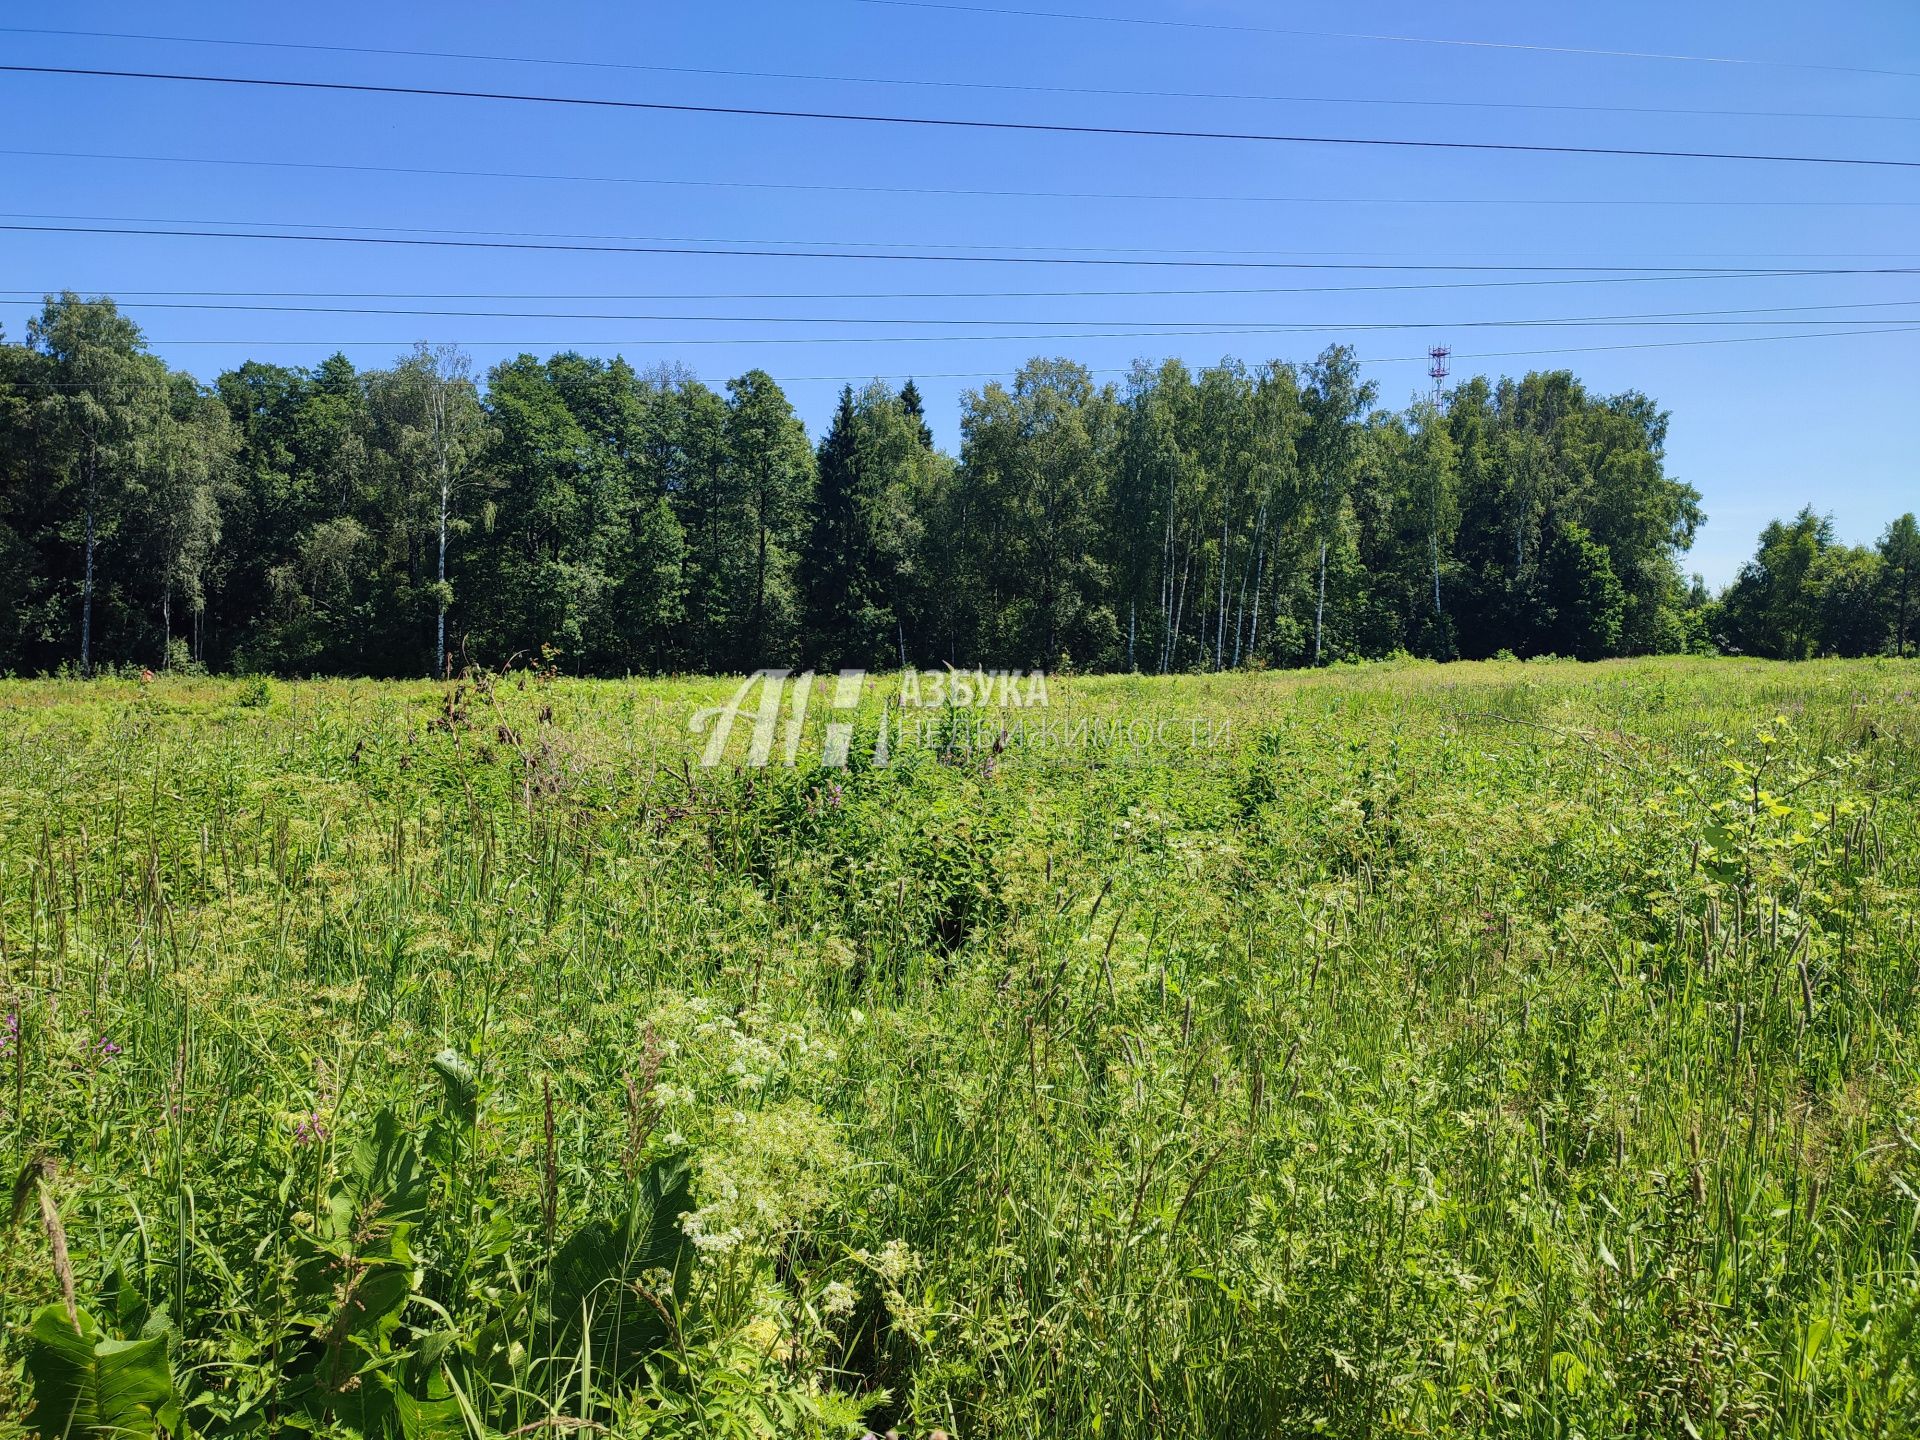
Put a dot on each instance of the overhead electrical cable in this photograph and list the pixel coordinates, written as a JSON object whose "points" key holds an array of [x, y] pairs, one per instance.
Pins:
{"points": [[877, 295], [957, 123], [1766, 315], [1393, 359], [966, 193], [1515, 45], [1888, 327], [737, 251], [918, 245], [901, 81]]}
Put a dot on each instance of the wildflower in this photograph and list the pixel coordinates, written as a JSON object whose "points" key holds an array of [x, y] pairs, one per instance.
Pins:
{"points": [[837, 1298], [107, 1048], [711, 1244], [895, 1261], [310, 1129], [9, 1032]]}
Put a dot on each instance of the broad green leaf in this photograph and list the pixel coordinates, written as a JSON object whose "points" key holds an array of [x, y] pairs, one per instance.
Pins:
{"points": [[86, 1386], [596, 1270]]}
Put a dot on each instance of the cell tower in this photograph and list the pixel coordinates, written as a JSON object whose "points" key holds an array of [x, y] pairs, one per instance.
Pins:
{"points": [[1439, 355]]}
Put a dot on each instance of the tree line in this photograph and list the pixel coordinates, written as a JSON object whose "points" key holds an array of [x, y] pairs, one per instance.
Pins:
{"points": [[579, 512]]}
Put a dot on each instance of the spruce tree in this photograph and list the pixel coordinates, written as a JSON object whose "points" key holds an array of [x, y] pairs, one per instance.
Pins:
{"points": [[833, 567], [916, 411]]}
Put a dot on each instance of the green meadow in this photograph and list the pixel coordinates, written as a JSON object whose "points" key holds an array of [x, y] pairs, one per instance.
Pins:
{"points": [[1502, 1048]]}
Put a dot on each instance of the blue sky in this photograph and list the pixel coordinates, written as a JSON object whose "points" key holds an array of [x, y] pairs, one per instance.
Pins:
{"points": [[1759, 428]]}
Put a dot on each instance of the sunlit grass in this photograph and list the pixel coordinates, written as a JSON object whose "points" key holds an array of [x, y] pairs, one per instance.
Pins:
{"points": [[1515, 1048]]}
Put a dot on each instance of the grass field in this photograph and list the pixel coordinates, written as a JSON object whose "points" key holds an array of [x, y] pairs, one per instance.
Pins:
{"points": [[1405, 1050]]}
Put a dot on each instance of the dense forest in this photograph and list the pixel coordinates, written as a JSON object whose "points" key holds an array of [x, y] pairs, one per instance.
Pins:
{"points": [[578, 512]]}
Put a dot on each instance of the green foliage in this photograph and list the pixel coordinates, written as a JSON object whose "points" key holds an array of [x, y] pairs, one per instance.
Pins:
{"points": [[332, 521], [1520, 1048], [87, 1386], [1580, 601], [253, 693], [113, 494], [1805, 594], [616, 1282], [769, 479], [579, 549], [1900, 570], [1034, 460], [860, 574]]}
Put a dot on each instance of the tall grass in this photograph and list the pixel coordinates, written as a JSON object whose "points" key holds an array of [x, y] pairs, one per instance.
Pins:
{"points": [[1520, 1049]]}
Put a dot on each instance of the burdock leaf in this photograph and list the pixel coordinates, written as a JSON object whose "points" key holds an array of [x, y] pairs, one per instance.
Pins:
{"points": [[598, 1273], [463, 1091], [85, 1386]]}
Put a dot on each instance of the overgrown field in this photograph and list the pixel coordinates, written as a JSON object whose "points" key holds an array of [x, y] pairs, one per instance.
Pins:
{"points": [[1481, 1049]]}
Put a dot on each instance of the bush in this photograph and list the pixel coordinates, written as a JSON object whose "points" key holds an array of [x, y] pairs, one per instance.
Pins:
{"points": [[254, 693]]}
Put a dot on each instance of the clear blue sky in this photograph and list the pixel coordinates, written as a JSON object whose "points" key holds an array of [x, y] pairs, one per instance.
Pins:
{"points": [[1760, 429]]}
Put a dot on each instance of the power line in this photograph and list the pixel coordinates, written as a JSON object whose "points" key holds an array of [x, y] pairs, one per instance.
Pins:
{"points": [[1156, 292], [735, 251], [1219, 327], [1376, 360], [905, 244], [1885, 327], [954, 123], [913, 82], [968, 193], [1385, 39]]}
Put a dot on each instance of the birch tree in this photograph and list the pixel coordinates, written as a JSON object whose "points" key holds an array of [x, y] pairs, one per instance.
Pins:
{"points": [[101, 408], [435, 432], [1336, 398]]}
